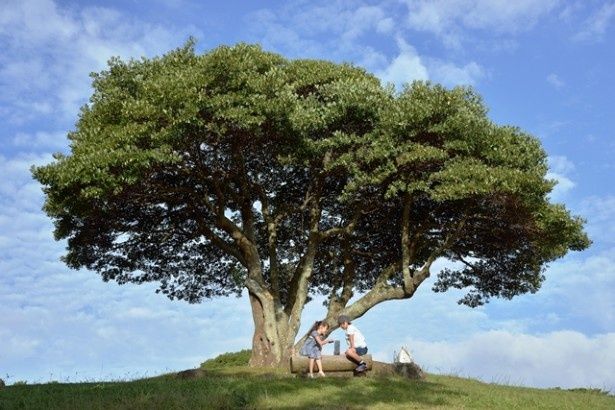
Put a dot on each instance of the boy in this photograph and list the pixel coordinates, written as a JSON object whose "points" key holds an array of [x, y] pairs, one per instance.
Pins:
{"points": [[356, 341]]}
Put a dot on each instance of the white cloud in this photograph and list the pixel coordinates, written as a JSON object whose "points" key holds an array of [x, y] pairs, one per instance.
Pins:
{"points": [[405, 68], [555, 81], [580, 287], [48, 52], [564, 185], [560, 164], [571, 9], [330, 30], [451, 75], [345, 26], [499, 15], [600, 214], [557, 359], [508, 341], [41, 140], [68, 325], [385, 25], [560, 167], [449, 18], [598, 23], [362, 20]]}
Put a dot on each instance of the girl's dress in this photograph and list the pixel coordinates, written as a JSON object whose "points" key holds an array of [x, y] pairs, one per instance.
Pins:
{"points": [[311, 348]]}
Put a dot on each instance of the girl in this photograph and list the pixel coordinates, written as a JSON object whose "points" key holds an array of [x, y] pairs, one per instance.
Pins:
{"points": [[313, 346]]}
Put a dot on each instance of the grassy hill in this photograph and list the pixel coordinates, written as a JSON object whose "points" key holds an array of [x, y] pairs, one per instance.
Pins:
{"points": [[227, 383]]}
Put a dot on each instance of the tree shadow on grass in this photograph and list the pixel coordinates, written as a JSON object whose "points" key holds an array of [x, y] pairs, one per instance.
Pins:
{"points": [[234, 389], [274, 390]]}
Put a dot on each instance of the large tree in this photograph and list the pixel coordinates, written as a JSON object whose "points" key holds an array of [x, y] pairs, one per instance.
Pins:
{"points": [[239, 170]]}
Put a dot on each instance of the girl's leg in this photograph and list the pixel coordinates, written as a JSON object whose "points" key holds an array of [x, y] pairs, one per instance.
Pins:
{"points": [[319, 363], [311, 367]]}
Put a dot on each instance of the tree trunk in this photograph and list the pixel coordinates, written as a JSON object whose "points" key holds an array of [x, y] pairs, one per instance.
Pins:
{"points": [[264, 344], [271, 343]]}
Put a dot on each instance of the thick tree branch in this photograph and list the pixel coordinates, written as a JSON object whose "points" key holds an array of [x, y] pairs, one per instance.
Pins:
{"points": [[387, 273], [337, 303], [420, 275], [407, 248], [272, 246], [349, 272], [462, 260], [382, 291], [300, 280], [229, 248], [245, 196]]}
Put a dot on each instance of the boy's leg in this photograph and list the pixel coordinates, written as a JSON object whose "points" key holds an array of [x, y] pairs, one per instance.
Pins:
{"points": [[351, 354], [356, 358]]}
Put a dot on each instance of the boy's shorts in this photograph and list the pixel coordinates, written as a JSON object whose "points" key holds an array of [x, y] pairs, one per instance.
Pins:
{"points": [[361, 350]]}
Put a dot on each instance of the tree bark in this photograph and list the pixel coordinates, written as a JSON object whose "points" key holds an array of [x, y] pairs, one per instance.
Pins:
{"points": [[268, 346]]}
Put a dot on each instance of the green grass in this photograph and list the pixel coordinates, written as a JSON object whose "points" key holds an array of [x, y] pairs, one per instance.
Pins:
{"points": [[236, 386]]}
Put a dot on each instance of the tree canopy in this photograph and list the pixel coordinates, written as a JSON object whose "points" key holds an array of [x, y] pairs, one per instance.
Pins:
{"points": [[240, 169]]}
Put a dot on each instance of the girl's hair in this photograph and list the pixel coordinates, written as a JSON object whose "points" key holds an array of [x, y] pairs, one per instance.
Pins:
{"points": [[317, 324]]}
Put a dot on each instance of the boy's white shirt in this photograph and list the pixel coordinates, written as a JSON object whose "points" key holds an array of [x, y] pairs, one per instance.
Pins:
{"points": [[359, 339]]}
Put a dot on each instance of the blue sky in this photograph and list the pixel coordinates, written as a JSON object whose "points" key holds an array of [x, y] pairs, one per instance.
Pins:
{"points": [[546, 66]]}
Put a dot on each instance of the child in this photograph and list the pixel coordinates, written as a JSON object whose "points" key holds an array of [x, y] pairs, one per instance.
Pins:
{"points": [[356, 342], [313, 346]]}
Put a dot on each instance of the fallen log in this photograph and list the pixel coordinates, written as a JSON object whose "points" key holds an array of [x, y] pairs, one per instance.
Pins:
{"points": [[330, 363]]}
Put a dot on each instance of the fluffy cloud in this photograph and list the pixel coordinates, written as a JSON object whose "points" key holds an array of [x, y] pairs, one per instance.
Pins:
{"points": [[528, 340], [41, 141], [331, 30], [500, 15], [564, 184], [56, 323], [405, 68], [68, 325], [48, 52], [101, 331], [451, 75], [558, 359], [559, 167], [448, 19], [560, 164], [580, 288], [596, 25], [600, 214], [346, 28], [409, 66]]}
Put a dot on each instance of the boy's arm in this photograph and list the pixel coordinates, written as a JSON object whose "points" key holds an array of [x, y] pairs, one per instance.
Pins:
{"points": [[351, 340]]}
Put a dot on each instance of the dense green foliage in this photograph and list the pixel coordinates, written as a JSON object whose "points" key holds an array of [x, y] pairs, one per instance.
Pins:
{"points": [[242, 387], [239, 168], [240, 358]]}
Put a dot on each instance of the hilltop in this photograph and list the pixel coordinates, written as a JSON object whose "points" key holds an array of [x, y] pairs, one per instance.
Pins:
{"points": [[227, 382]]}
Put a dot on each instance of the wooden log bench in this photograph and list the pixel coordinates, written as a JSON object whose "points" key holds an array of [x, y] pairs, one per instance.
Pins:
{"points": [[330, 363]]}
